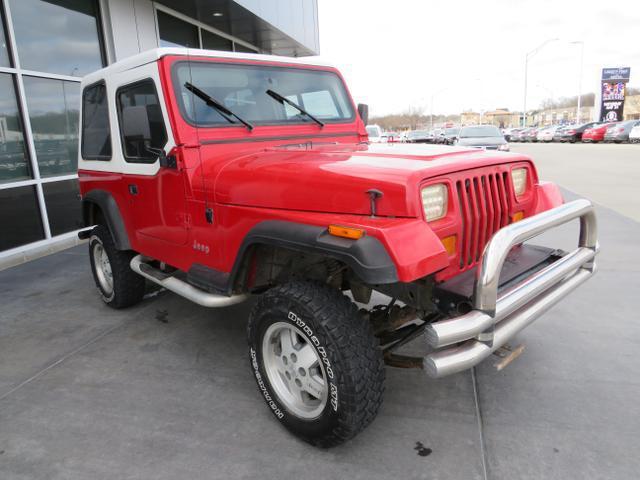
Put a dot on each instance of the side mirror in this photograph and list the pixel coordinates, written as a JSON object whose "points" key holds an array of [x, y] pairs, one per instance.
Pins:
{"points": [[363, 111]]}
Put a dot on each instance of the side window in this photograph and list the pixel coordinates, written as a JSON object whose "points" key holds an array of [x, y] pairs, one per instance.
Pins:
{"points": [[96, 134], [141, 123]]}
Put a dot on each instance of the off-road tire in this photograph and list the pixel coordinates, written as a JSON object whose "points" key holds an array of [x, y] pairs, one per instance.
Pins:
{"points": [[352, 353], [128, 287]]}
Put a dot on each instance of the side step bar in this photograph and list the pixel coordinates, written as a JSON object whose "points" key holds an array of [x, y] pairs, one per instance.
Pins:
{"points": [[181, 287]]}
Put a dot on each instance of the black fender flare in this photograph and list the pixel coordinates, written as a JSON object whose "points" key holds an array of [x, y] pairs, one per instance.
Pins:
{"points": [[367, 257], [112, 216]]}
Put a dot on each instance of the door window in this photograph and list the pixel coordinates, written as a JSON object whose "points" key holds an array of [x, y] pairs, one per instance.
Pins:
{"points": [[96, 134], [142, 128]]}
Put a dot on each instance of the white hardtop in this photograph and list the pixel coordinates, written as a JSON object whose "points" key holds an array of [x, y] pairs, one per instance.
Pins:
{"points": [[155, 54]]}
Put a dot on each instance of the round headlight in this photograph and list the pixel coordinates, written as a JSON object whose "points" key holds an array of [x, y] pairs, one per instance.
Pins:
{"points": [[434, 201]]}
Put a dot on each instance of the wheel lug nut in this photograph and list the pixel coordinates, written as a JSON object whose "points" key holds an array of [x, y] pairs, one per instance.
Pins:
{"points": [[301, 371], [298, 383], [288, 375], [294, 358]]}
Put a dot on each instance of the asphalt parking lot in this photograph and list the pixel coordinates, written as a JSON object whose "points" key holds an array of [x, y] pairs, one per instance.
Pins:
{"points": [[607, 174], [164, 390]]}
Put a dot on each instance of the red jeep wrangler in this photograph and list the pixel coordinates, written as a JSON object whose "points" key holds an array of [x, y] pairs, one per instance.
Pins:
{"points": [[219, 176]]}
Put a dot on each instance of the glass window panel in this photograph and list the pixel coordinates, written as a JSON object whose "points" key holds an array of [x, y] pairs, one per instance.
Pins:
{"points": [[4, 52], [176, 33], [321, 103], [243, 49], [141, 122], [57, 36], [211, 41], [96, 135], [53, 111], [244, 89], [14, 164], [63, 206], [19, 217]]}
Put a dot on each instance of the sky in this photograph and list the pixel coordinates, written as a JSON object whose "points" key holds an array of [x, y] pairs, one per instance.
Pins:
{"points": [[470, 54]]}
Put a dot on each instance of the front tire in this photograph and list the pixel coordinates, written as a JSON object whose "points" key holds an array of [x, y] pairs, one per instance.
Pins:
{"points": [[119, 286], [316, 362]]}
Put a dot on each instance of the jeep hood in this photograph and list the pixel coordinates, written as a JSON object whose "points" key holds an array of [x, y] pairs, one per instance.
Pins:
{"points": [[336, 179]]}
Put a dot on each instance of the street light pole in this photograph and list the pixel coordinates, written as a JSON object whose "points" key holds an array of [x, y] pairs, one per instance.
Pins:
{"points": [[526, 74], [581, 43]]}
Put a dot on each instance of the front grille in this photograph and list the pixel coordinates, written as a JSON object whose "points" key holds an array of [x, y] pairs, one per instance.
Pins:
{"points": [[484, 202]]}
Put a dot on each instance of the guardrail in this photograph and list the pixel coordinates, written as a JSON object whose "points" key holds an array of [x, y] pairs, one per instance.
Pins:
{"points": [[493, 321]]}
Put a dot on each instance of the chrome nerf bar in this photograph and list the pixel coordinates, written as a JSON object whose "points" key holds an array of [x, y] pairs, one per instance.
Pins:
{"points": [[493, 321]]}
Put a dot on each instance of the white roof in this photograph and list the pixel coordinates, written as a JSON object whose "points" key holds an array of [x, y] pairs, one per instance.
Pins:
{"points": [[153, 55]]}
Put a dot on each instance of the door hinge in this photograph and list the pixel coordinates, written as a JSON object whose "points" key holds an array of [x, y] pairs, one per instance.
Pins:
{"points": [[208, 213]]}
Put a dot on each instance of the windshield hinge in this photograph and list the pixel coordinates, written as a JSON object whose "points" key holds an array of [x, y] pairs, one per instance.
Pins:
{"points": [[208, 213]]}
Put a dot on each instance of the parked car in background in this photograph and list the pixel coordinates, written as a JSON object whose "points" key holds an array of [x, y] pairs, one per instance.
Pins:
{"points": [[572, 133], [517, 135], [546, 134], [450, 134], [438, 135], [510, 132], [596, 133], [487, 137], [391, 137], [634, 134], [557, 135], [375, 134], [619, 132], [419, 136], [531, 135]]}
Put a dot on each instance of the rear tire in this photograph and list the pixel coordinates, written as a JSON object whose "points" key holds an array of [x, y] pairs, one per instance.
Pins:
{"points": [[316, 362], [119, 286]]}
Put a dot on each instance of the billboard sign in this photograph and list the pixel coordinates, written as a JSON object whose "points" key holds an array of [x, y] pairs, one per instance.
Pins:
{"points": [[616, 73], [614, 85]]}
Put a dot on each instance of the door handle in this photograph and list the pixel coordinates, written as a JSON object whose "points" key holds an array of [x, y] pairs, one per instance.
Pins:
{"points": [[133, 189]]}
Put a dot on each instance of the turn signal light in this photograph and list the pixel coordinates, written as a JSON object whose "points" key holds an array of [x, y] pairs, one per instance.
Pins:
{"points": [[346, 232], [516, 217], [449, 244]]}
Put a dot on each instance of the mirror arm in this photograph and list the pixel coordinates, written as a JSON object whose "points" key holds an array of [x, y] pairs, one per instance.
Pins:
{"points": [[166, 161]]}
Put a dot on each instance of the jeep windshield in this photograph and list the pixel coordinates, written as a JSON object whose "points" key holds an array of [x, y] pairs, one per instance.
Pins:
{"points": [[245, 91]]}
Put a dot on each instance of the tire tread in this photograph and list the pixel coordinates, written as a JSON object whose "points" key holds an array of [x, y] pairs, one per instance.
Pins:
{"points": [[361, 385]]}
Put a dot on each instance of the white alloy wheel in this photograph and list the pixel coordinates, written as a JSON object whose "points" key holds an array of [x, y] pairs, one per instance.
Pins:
{"points": [[295, 370]]}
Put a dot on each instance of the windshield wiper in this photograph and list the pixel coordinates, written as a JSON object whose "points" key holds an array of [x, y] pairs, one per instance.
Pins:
{"points": [[283, 100], [212, 102]]}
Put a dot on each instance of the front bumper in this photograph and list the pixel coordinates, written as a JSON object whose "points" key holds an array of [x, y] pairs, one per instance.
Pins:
{"points": [[464, 341]]}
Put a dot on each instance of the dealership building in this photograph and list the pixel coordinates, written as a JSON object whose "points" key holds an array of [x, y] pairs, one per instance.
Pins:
{"points": [[46, 46]]}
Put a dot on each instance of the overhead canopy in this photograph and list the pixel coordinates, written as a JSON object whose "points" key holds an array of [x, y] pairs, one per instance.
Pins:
{"points": [[278, 27]]}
